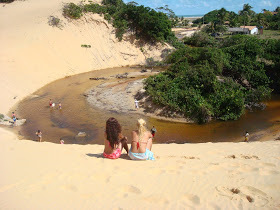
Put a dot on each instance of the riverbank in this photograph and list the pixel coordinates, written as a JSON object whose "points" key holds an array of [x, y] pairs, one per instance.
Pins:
{"points": [[53, 176], [119, 97]]}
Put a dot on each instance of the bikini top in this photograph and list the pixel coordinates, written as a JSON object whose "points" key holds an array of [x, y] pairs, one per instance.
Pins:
{"points": [[138, 144]]}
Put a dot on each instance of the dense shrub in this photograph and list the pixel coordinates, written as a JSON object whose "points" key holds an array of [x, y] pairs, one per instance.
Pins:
{"points": [[217, 82], [6, 1], [144, 22], [72, 10], [272, 62], [200, 39]]}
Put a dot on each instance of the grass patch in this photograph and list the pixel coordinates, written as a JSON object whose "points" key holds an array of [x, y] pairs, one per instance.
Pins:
{"points": [[6, 1], [86, 45], [55, 22], [270, 34]]}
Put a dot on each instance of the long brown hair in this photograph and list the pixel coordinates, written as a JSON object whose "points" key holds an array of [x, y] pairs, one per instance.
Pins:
{"points": [[113, 129]]}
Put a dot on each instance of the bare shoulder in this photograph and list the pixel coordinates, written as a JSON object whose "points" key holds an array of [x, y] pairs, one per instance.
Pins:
{"points": [[149, 133]]}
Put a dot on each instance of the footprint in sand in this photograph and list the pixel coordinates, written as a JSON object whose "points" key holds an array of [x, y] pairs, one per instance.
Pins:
{"points": [[157, 171], [247, 168], [267, 172], [250, 157], [194, 199], [131, 189], [100, 177], [246, 194], [268, 165], [191, 158]]}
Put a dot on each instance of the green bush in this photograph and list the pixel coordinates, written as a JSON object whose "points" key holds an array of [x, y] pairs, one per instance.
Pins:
{"points": [[94, 8], [200, 39], [6, 1], [227, 100], [72, 10], [1, 116], [218, 80], [55, 22], [86, 46], [144, 22]]}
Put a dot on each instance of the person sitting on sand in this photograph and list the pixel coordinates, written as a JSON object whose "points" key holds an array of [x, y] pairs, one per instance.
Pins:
{"points": [[50, 102], [141, 143], [39, 134], [114, 140]]}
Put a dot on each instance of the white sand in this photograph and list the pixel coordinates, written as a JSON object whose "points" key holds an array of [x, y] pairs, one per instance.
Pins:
{"points": [[50, 176]]}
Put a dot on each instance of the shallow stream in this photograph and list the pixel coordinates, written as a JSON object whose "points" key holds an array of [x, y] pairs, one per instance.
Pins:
{"points": [[77, 116]]}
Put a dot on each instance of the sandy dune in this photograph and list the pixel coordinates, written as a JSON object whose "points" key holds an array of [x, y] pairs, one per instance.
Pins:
{"points": [[189, 176], [33, 53], [51, 176]]}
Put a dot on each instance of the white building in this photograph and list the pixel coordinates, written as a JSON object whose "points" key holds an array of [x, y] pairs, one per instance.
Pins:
{"points": [[252, 29]]}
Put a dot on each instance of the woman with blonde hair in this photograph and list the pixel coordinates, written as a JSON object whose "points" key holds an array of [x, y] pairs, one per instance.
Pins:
{"points": [[141, 143]]}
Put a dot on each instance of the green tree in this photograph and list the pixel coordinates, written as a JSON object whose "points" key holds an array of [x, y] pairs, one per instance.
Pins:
{"points": [[222, 15], [246, 13]]}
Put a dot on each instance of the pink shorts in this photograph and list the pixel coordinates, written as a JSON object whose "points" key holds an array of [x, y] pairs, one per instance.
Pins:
{"points": [[115, 155]]}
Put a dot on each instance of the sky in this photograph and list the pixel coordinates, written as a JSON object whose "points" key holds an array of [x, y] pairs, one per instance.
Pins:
{"points": [[201, 7]]}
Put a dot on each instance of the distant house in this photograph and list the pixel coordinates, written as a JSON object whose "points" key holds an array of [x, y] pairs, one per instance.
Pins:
{"points": [[239, 30], [244, 30], [252, 29], [273, 13]]}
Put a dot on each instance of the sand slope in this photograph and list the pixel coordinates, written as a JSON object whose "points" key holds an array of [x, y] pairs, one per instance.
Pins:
{"points": [[50, 176], [33, 53], [189, 176]]}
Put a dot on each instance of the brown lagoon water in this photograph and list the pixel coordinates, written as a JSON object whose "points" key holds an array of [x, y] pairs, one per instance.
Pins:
{"points": [[78, 116]]}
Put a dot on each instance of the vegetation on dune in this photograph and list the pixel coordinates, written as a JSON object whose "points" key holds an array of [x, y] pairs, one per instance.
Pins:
{"points": [[144, 22], [6, 1], [217, 78]]}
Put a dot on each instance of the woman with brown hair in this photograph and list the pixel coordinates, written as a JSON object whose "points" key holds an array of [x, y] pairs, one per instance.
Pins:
{"points": [[114, 140]]}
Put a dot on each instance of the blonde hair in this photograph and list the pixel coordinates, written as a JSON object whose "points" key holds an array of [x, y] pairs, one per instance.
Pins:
{"points": [[141, 124]]}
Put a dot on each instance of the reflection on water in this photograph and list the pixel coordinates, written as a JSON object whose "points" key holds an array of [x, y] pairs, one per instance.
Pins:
{"points": [[77, 116]]}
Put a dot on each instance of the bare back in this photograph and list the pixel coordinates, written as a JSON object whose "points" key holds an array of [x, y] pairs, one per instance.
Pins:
{"points": [[122, 144], [146, 142], [108, 149]]}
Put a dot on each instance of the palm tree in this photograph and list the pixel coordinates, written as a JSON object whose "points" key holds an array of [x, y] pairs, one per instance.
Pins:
{"points": [[246, 8], [221, 15], [246, 13], [261, 19]]}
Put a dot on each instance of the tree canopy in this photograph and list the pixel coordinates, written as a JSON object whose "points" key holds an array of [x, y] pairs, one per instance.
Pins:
{"points": [[246, 16], [216, 79]]}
